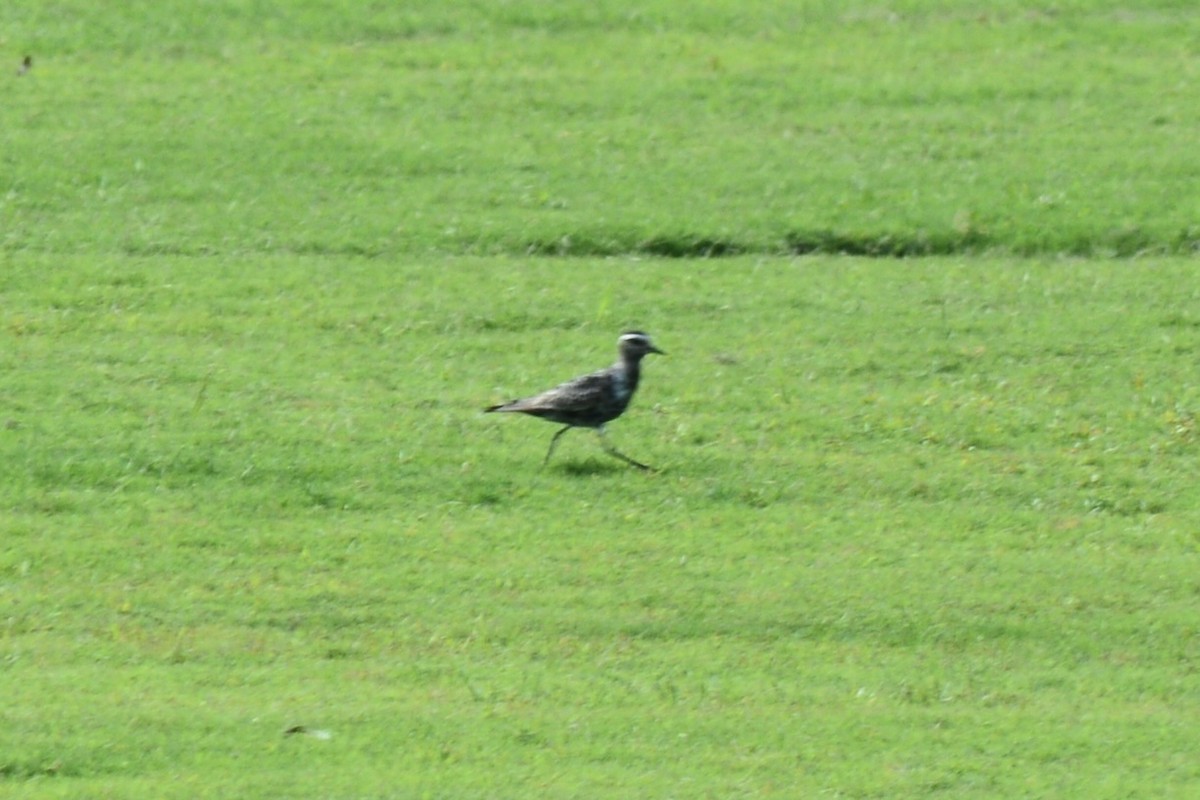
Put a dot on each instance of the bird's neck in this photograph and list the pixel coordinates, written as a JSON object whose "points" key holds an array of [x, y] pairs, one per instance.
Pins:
{"points": [[632, 369]]}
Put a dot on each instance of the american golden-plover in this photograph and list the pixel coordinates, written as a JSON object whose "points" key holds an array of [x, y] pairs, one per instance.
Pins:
{"points": [[592, 400]]}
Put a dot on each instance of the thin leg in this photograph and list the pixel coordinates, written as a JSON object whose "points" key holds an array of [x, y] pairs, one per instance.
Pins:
{"points": [[615, 453], [553, 442]]}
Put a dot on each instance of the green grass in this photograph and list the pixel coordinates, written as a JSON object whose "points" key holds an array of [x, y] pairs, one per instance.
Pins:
{"points": [[922, 526], [924, 127]]}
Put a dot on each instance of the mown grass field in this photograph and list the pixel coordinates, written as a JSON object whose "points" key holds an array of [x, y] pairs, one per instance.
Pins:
{"points": [[922, 527]]}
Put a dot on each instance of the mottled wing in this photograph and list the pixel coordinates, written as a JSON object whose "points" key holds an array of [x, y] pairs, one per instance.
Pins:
{"points": [[576, 396]]}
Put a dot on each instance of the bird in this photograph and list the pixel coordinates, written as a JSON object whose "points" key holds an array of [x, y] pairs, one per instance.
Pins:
{"points": [[592, 400]]}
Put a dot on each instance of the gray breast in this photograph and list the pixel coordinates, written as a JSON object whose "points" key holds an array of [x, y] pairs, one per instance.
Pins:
{"points": [[620, 387]]}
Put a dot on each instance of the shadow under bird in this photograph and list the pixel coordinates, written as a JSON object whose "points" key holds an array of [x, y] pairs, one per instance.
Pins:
{"points": [[592, 400]]}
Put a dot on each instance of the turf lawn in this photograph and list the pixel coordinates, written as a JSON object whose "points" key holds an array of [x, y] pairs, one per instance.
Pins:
{"points": [[925, 521]]}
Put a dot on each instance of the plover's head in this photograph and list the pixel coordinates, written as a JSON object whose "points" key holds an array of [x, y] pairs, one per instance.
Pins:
{"points": [[635, 344]]}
